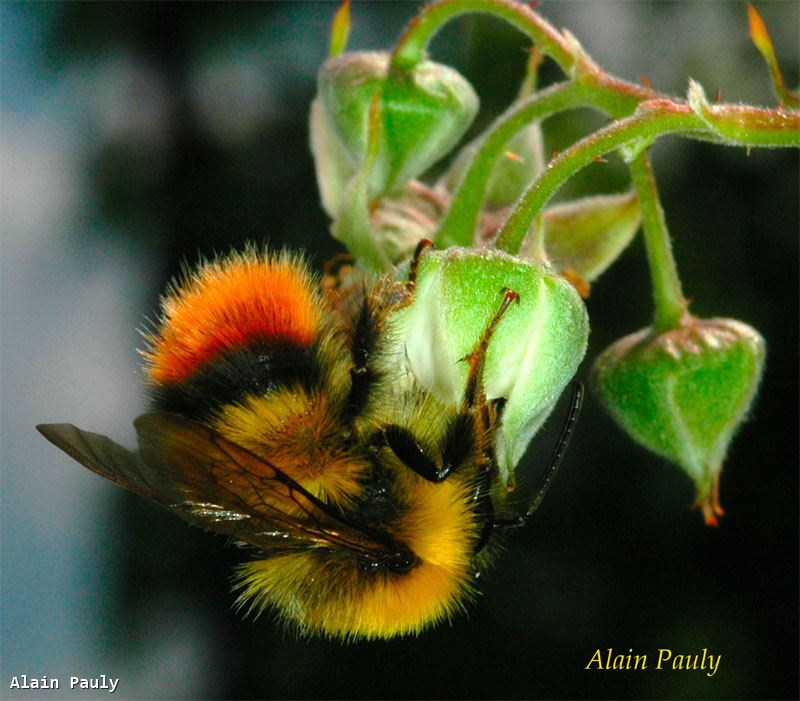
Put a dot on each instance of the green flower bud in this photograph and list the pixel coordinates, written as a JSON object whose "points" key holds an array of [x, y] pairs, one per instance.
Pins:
{"points": [[424, 113], [532, 354], [587, 235], [683, 393]]}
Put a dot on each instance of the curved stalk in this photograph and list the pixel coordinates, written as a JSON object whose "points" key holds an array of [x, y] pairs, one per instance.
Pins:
{"points": [[411, 47], [461, 220], [732, 125], [645, 126]]}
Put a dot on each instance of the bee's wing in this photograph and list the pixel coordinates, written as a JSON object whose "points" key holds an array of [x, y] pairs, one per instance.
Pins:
{"points": [[101, 455], [216, 484]]}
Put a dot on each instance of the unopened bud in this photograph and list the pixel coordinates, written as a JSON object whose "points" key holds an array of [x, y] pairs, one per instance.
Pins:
{"points": [[334, 165], [399, 222], [532, 355], [683, 393], [424, 112]]}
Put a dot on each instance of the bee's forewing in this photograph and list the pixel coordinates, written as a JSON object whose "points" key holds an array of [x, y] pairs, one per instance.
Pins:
{"points": [[101, 455], [215, 484], [180, 467]]}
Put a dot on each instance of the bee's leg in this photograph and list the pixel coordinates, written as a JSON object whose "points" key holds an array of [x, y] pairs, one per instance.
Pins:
{"points": [[334, 268], [414, 264], [365, 335], [552, 467], [483, 414], [484, 421], [459, 443], [474, 394], [469, 428], [370, 313]]}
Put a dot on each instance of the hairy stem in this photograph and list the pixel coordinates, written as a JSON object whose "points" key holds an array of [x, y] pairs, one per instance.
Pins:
{"points": [[459, 225], [670, 305], [645, 126], [410, 49]]}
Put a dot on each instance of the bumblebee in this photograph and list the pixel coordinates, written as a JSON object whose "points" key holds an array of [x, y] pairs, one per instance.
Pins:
{"points": [[284, 417]]}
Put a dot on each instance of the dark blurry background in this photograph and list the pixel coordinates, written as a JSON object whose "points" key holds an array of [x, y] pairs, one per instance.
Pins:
{"points": [[135, 135]]}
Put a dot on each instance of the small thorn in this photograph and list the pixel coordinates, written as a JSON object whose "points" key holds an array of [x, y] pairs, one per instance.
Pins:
{"points": [[533, 4], [644, 80], [718, 96], [554, 154], [600, 159], [511, 156]]}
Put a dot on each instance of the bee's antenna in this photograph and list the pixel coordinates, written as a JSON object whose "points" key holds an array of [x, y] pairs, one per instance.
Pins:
{"points": [[560, 449], [555, 460]]}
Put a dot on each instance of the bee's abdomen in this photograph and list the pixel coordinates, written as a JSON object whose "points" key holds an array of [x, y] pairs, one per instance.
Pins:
{"points": [[231, 312], [245, 325], [262, 368]]}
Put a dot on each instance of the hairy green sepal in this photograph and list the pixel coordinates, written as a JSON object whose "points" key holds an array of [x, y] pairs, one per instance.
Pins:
{"points": [[587, 235]]}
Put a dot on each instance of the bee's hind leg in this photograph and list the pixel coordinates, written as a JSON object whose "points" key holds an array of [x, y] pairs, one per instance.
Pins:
{"points": [[474, 393]]}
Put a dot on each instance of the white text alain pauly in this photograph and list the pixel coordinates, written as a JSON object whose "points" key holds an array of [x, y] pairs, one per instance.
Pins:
{"points": [[26, 681]]}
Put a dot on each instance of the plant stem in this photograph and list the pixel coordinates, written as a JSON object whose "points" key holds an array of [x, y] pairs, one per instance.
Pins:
{"points": [[670, 304], [459, 225], [732, 125], [645, 126], [589, 85], [410, 49], [744, 123], [615, 96]]}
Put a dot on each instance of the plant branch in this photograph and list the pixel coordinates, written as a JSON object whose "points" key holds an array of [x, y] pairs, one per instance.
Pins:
{"points": [[732, 125], [644, 126]]}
